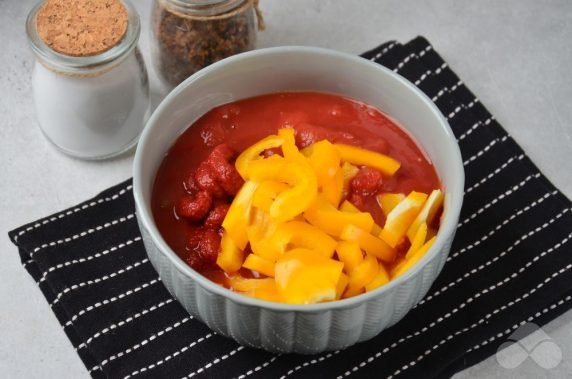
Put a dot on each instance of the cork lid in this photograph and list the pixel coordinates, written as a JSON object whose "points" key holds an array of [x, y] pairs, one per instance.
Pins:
{"points": [[81, 28]]}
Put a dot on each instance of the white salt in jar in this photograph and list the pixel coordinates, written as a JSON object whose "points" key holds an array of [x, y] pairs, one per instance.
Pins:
{"points": [[90, 84]]}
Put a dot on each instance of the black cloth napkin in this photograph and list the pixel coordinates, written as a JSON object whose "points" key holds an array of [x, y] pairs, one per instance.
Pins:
{"points": [[510, 264]]}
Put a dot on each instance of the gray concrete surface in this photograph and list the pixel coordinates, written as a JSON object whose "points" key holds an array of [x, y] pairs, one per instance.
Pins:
{"points": [[515, 55]]}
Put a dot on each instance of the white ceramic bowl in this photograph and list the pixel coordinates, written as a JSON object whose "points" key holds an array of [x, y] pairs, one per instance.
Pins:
{"points": [[283, 327]]}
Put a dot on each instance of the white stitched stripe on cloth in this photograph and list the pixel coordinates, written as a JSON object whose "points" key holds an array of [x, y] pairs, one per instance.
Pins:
{"points": [[98, 280], [83, 234], [169, 357], [125, 322], [110, 300], [472, 326], [88, 258], [145, 341], [75, 210]]}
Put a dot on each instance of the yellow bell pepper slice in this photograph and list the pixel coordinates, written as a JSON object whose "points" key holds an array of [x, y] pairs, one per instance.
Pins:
{"points": [[417, 241], [256, 263], [268, 295], [388, 201], [253, 152], [379, 280], [302, 235], [259, 231], [363, 157], [331, 220], [295, 200], [333, 190], [401, 217], [376, 229], [349, 171], [304, 277], [289, 148], [342, 285], [324, 159], [427, 213], [230, 257], [266, 193], [349, 207], [242, 284], [238, 215], [264, 289], [370, 244], [363, 274], [350, 254], [407, 263]]}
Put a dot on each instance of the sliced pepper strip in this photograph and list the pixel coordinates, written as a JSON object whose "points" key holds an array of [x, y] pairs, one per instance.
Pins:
{"points": [[342, 285], [363, 274], [376, 229], [417, 241], [295, 200], [333, 189], [255, 263], [379, 280], [230, 256], [350, 254], [349, 207], [259, 231], [349, 171], [303, 277], [401, 217], [326, 217], [363, 157], [266, 193], [241, 284], [372, 245], [388, 201], [264, 289], [427, 213], [324, 159], [266, 294], [289, 148], [406, 264], [302, 235], [253, 152], [238, 215]]}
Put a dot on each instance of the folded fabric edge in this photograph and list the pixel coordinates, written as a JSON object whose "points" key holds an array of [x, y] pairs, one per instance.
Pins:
{"points": [[379, 50]]}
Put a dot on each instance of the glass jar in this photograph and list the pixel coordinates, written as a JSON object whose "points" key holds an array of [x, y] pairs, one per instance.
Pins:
{"points": [[91, 107], [188, 35]]}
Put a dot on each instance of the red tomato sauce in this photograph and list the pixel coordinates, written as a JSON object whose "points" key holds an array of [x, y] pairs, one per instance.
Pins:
{"points": [[202, 159]]}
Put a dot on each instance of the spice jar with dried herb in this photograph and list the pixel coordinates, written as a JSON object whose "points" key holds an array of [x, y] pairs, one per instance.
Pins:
{"points": [[188, 35], [89, 83]]}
